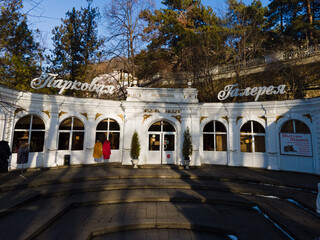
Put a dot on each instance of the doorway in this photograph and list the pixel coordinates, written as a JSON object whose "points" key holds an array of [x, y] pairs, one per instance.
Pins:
{"points": [[162, 146]]}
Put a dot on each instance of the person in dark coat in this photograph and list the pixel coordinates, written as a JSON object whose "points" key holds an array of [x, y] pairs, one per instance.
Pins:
{"points": [[23, 153], [4, 156]]}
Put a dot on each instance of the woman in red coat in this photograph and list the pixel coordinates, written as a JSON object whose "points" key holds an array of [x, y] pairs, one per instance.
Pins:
{"points": [[106, 149]]}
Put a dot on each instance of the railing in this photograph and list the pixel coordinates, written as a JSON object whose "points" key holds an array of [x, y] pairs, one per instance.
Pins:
{"points": [[286, 56], [246, 64], [304, 52]]}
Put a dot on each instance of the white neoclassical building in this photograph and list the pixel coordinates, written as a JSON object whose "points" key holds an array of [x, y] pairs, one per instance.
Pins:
{"points": [[278, 135]]}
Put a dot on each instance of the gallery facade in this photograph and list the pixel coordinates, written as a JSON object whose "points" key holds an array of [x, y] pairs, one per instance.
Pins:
{"points": [[278, 135]]}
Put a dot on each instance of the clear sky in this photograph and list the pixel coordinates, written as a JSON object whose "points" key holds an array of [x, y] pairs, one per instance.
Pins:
{"points": [[51, 12]]}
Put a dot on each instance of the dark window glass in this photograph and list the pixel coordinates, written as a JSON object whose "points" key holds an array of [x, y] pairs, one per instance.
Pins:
{"points": [[37, 141], [258, 128], [221, 141], [66, 124], [208, 142], [17, 140], [77, 141], [246, 143], [103, 125], [220, 127], [114, 138], [24, 123], [287, 127], [301, 127], [154, 142], [114, 125], [260, 144], [167, 127], [156, 127], [37, 136], [102, 136], [64, 141], [208, 127], [246, 128], [37, 123], [168, 142], [77, 124]]}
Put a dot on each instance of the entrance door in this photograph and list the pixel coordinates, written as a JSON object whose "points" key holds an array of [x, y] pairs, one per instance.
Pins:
{"points": [[161, 143]]}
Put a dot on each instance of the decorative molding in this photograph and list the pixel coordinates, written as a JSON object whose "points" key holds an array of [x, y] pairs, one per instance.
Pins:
{"points": [[308, 115], [61, 113], [121, 116], [18, 110], [151, 110], [264, 118], [202, 118], [98, 115], [226, 118], [279, 117], [46, 112], [178, 117], [145, 117], [85, 114], [238, 118]]}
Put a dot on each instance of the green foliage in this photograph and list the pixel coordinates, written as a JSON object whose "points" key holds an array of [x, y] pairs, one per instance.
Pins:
{"points": [[18, 50], [75, 43], [187, 144], [135, 146], [294, 22], [188, 31]]}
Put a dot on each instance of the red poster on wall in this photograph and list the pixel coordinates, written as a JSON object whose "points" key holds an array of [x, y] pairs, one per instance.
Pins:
{"points": [[296, 144]]}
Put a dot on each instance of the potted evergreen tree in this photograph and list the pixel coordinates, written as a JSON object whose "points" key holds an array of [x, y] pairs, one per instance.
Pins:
{"points": [[187, 147], [135, 149]]}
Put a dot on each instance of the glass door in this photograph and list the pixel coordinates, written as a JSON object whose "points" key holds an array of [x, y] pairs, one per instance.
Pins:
{"points": [[161, 149], [168, 154]]}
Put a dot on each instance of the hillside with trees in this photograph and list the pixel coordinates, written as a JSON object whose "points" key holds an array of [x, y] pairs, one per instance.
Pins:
{"points": [[183, 41]]}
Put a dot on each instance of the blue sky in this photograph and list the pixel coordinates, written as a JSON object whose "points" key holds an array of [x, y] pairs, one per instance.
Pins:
{"points": [[53, 10]]}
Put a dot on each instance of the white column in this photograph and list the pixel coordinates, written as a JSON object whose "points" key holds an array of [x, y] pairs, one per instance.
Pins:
{"points": [[195, 133], [271, 142], [50, 156], [234, 140], [89, 141]]}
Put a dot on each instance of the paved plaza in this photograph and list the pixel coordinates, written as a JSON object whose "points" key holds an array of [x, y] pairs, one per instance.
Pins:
{"points": [[158, 202]]}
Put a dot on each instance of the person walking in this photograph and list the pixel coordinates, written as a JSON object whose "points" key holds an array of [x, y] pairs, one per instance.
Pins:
{"points": [[5, 153]]}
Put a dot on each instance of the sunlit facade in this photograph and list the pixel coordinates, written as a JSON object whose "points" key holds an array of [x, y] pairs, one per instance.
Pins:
{"points": [[278, 135]]}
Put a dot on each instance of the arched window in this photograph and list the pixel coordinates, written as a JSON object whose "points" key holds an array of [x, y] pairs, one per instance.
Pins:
{"points": [[295, 139], [30, 128], [214, 137], [295, 126], [161, 132], [109, 129], [252, 137], [71, 134]]}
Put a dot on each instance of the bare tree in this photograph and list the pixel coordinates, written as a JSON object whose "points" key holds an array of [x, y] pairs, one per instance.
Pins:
{"points": [[125, 30]]}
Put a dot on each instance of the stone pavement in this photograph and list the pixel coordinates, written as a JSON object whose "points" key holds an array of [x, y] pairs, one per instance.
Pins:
{"points": [[158, 202]]}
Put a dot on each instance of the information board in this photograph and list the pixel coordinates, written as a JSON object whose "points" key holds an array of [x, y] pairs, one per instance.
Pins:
{"points": [[296, 144]]}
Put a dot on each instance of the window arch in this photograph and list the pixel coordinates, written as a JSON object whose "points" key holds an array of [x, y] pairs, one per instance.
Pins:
{"points": [[214, 137], [295, 139], [32, 129], [161, 126], [109, 129], [71, 134], [252, 137], [294, 126]]}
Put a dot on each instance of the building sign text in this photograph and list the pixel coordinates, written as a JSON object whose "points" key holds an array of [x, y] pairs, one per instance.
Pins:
{"points": [[231, 91], [49, 80]]}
